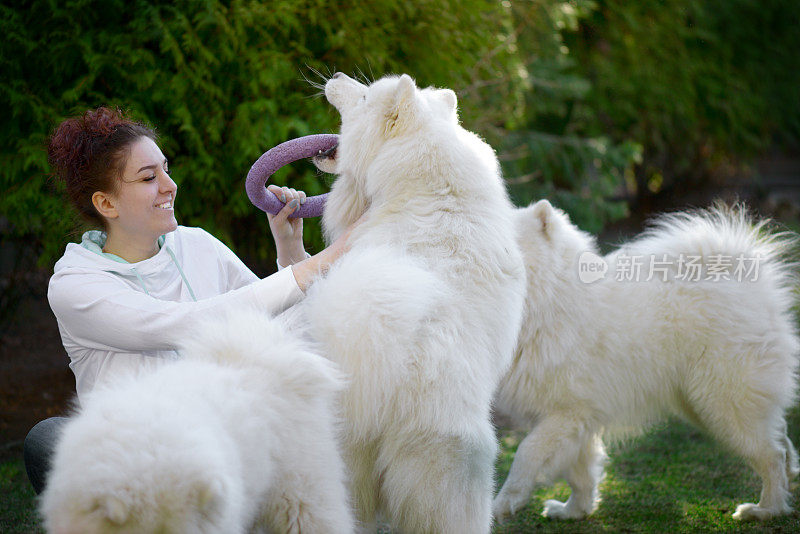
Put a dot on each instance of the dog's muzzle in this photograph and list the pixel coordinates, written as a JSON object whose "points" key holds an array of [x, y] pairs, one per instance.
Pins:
{"points": [[330, 153]]}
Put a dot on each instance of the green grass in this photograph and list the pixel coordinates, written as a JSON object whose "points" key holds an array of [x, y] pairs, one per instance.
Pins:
{"points": [[17, 499], [674, 479]]}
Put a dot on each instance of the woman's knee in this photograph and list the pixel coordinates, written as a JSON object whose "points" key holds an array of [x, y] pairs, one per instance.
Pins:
{"points": [[38, 450]]}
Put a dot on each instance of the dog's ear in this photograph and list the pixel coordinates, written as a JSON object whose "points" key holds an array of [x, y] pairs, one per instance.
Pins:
{"points": [[543, 212], [448, 97], [405, 89], [401, 110], [112, 508]]}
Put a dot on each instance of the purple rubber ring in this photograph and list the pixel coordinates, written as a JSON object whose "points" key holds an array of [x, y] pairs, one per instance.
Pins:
{"points": [[275, 158]]}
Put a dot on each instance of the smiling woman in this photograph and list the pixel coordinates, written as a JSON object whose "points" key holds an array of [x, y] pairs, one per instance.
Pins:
{"points": [[127, 295], [142, 206]]}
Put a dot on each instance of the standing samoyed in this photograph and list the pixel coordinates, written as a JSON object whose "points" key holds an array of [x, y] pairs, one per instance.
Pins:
{"points": [[710, 338], [423, 312], [238, 436]]}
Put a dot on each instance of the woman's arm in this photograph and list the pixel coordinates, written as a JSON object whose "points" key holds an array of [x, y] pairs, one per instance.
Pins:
{"points": [[288, 234], [100, 311], [317, 265]]}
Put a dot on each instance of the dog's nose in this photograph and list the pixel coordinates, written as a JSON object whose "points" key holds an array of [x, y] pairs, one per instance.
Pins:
{"points": [[337, 75]]}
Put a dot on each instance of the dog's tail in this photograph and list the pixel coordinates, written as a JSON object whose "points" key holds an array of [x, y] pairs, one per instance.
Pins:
{"points": [[730, 237], [251, 338]]}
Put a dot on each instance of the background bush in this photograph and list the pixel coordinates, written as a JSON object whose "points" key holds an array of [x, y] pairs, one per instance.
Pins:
{"points": [[703, 87], [221, 82], [596, 105]]}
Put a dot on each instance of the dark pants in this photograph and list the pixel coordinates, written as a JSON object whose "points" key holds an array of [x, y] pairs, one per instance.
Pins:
{"points": [[38, 450]]}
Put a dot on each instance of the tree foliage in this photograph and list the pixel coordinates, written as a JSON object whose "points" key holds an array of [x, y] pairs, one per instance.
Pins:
{"points": [[700, 85], [220, 81], [550, 150], [582, 100]]}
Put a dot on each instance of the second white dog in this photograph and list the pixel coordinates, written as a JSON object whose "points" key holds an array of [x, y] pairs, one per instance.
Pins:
{"points": [[238, 436], [701, 331]]}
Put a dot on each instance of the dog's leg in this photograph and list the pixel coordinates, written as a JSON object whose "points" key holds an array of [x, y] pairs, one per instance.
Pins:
{"points": [[770, 464], [757, 433], [741, 407], [311, 497], [552, 448], [792, 465], [766, 448], [360, 461], [584, 477], [439, 483]]}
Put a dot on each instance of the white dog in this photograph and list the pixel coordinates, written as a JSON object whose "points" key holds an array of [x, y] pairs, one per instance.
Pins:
{"points": [[710, 338], [423, 312], [238, 436]]}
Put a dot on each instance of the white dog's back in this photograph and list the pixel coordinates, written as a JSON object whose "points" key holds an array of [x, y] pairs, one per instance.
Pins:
{"points": [[237, 434], [718, 348]]}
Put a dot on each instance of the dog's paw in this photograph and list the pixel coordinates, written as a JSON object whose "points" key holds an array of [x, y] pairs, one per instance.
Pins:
{"points": [[748, 511], [559, 510], [506, 504]]}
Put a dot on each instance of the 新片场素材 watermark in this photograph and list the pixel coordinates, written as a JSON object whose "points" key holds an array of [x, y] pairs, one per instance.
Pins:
{"points": [[681, 268]]}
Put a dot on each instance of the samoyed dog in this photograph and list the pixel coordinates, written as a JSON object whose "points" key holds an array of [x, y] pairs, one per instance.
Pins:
{"points": [[704, 331], [238, 436], [422, 313]]}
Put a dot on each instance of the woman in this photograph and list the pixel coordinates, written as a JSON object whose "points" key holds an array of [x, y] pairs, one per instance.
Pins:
{"points": [[126, 295]]}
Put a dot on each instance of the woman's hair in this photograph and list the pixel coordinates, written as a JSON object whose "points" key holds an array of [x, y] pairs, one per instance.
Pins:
{"points": [[89, 153]]}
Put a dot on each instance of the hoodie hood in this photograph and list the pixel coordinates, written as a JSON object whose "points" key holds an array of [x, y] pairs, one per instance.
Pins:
{"points": [[89, 255], [151, 273], [95, 240]]}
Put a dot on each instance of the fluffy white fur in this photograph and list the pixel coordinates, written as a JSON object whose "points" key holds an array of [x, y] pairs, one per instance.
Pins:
{"points": [[423, 312], [238, 436], [618, 355]]}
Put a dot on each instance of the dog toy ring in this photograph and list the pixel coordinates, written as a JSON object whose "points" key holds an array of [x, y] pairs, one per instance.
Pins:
{"points": [[278, 156]]}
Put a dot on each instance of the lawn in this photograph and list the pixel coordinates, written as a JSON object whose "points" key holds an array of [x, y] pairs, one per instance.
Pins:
{"points": [[673, 479], [17, 505]]}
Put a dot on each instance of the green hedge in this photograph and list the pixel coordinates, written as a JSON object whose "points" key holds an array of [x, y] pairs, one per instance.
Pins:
{"points": [[703, 86], [586, 102], [221, 82]]}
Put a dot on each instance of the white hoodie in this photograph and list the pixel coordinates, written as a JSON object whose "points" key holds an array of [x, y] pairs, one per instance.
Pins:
{"points": [[117, 317]]}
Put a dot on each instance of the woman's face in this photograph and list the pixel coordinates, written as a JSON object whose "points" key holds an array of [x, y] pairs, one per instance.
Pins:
{"points": [[145, 198]]}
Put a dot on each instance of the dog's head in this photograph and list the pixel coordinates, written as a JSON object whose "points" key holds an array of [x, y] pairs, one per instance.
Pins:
{"points": [[389, 108], [551, 244], [109, 477]]}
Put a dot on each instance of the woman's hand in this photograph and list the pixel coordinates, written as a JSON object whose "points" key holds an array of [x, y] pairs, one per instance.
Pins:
{"points": [[288, 233], [318, 264]]}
